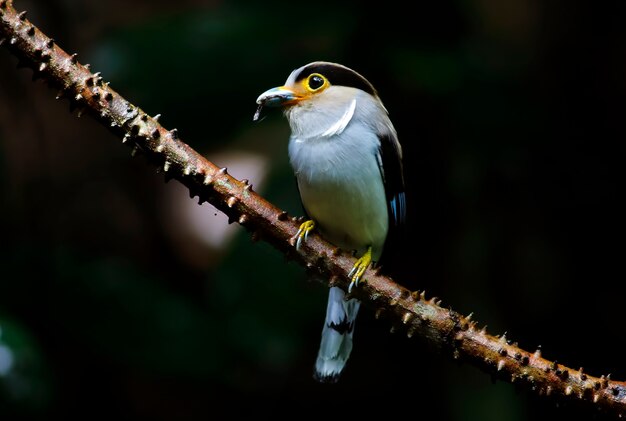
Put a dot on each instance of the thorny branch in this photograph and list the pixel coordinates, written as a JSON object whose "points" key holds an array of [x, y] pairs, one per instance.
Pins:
{"points": [[409, 311]]}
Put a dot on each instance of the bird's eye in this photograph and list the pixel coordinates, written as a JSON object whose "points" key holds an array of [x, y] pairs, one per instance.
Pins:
{"points": [[315, 82]]}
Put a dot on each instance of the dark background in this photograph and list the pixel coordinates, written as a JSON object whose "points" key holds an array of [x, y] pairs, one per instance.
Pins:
{"points": [[115, 303]]}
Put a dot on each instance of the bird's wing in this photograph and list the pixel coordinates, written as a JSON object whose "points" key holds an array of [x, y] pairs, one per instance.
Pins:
{"points": [[390, 165]]}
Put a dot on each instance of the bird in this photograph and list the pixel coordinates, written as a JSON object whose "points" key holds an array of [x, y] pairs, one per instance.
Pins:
{"points": [[347, 161]]}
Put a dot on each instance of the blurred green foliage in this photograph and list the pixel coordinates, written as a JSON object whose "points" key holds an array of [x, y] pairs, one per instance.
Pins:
{"points": [[25, 383]]}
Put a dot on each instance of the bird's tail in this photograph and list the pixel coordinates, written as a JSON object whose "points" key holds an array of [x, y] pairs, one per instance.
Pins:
{"points": [[336, 336]]}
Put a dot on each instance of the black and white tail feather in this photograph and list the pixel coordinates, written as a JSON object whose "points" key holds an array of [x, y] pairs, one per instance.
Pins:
{"points": [[336, 343]]}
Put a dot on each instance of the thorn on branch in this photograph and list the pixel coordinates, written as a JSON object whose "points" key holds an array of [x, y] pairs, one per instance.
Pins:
{"points": [[44, 55], [605, 382], [41, 54], [232, 201]]}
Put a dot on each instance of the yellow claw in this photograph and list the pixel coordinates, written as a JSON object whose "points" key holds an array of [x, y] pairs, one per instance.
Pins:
{"points": [[359, 268], [303, 232]]}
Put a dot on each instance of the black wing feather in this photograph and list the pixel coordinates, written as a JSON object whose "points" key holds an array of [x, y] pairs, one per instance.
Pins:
{"points": [[391, 170]]}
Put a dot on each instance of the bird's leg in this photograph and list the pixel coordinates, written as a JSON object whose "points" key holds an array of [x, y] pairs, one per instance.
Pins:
{"points": [[303, 232], [359, 268]]}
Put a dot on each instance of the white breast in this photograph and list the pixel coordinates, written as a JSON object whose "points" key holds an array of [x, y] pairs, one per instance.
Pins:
{"points": [[340, 182]]}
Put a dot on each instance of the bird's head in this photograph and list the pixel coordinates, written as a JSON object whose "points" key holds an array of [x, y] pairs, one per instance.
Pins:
{"points": [[311, 83]]}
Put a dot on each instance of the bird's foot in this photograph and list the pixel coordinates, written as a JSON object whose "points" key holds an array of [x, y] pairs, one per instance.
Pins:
{"points": [[359, 269], [303, 232]]}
